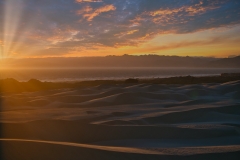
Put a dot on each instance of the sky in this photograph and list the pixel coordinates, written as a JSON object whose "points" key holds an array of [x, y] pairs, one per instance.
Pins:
{"points": [[80, 28]]}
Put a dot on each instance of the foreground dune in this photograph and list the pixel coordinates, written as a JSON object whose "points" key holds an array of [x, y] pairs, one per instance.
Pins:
{"points": [[125, 121]]}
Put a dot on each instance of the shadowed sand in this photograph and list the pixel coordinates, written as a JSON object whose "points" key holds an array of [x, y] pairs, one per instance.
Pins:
{"points": [[123, 121]]}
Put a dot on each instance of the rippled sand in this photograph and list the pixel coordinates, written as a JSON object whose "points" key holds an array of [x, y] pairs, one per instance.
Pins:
{"points": [[143, 121]]}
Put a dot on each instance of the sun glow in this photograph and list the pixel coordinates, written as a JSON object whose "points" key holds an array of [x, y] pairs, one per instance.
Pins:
{"points": [[16, 29], [12, 15]]}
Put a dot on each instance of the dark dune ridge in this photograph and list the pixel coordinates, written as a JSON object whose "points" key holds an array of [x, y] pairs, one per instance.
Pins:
{"points": [[123, 121], [11, 85]]}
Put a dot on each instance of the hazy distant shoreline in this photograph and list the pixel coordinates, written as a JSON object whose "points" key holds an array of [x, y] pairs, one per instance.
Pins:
{"points": [[90, 74]]}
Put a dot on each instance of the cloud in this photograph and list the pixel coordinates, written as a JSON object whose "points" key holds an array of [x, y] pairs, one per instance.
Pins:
{"points": [[90, 14], [86, 9], [191, 10], [177, 15], [126, 33], [116, 23], [210, 43], [81, 1]]}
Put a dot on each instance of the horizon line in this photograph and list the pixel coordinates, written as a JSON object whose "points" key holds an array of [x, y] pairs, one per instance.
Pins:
{"points": [[121, 56]]}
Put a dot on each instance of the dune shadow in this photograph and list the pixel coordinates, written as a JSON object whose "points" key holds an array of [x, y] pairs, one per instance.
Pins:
{"points": [[1, 127]]}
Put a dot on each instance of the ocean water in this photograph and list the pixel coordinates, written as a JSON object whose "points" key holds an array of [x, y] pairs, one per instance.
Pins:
{"points": [[81, 74]]}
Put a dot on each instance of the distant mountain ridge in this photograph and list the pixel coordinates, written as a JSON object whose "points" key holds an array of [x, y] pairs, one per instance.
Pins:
{"points": [[124, 61], [226, 62]]}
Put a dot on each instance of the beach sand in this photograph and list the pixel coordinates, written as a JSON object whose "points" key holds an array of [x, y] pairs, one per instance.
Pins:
{"points": [[123, 121]]}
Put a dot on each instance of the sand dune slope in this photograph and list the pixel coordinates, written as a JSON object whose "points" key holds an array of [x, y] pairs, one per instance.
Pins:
{"points": [[144, 121]]}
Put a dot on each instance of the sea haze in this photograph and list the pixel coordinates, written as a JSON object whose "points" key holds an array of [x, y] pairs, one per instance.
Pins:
{"points": [[104, 73]]}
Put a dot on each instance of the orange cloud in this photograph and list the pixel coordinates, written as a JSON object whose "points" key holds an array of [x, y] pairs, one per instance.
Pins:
{"points": [[168, 15], [84, 10], [80, 1], [98, 11], [165, 12], [183, 47], [191, 10], [58, 35], [133, 31], [126, 33]]}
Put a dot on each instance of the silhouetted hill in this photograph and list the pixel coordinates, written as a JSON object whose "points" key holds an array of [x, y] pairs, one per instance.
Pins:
{"points": [[123, 61]]}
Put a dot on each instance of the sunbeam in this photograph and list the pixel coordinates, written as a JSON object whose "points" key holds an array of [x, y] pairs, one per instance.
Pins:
{"points": [[1, 49], [13, 10]]}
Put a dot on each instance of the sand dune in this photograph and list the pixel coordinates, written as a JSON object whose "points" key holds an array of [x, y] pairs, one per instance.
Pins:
{"points": [[143, 149], [126, 121]]}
